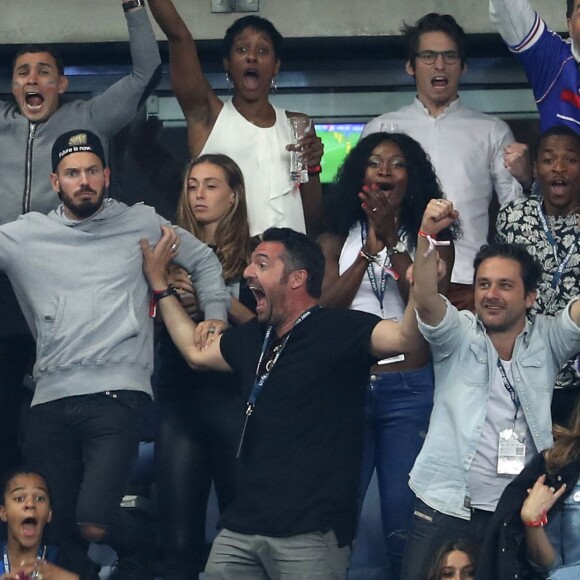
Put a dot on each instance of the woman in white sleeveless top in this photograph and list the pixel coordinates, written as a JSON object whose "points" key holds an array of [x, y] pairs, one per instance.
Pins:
{"points": [[247, 128]]}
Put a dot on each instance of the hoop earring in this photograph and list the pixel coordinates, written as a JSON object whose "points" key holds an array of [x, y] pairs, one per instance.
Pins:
{"points": [[229, 82]]}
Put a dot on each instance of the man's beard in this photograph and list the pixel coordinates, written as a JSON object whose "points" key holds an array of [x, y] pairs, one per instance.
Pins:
{"points": [[85, 208]]}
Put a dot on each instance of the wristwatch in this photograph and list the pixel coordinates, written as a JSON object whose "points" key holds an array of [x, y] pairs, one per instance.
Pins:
{"points": [[398, 248], [133, 4]]}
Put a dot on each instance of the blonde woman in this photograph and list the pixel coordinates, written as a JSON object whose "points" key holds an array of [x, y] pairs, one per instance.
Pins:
{"points": [[201, 411]]}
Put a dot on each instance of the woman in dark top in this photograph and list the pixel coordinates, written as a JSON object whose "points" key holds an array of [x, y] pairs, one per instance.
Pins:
{"points": [[202, 412], [535, 529]]}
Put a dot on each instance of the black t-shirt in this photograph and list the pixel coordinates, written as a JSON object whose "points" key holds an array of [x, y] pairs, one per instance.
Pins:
{"points": [[300, 462]]}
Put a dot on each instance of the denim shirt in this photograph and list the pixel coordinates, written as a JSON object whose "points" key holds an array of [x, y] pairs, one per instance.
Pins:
{"points": [[465, 362]]}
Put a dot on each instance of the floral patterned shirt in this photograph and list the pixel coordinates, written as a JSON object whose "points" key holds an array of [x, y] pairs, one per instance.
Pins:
{"points": [[521, 223]]}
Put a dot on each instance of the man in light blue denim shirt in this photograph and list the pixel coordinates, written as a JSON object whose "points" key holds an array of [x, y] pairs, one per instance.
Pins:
{"points": [[494, 375]]}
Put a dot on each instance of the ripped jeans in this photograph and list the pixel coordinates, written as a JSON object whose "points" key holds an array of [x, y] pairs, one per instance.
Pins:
{"points": [[397, 411]]}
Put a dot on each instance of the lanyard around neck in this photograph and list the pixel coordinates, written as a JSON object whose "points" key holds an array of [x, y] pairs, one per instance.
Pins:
{"points": [[261, 379], [509, 388], [40, 556], [563, 263], [378, 288]]}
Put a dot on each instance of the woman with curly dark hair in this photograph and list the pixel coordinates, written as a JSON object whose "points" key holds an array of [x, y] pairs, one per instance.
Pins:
{"points": [[368, 248]]}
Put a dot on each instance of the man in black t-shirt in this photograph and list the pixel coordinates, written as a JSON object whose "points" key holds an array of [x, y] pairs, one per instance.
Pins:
{"points": [[304, 371]]}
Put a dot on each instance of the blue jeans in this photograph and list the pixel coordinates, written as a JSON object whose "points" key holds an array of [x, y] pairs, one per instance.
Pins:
{"points": [[85, 446], [571, 572], [397, 413]]}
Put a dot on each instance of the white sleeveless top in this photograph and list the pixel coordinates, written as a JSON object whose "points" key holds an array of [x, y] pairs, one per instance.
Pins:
{"points": [[365, 299], [265, 163]]}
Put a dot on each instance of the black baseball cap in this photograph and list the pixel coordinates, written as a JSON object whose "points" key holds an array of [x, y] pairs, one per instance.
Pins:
{"points": [[77, 141]]}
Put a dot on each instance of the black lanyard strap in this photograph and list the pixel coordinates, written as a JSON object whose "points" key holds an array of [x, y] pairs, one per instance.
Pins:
{"points": [[509, 388], [261, 379], [562, 264]]}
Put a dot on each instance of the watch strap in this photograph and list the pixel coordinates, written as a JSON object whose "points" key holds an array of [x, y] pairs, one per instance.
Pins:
{"points": [[133, 4], [398, 248]]}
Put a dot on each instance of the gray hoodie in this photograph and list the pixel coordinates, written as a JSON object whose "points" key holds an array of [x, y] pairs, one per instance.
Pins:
{"points": [[25, 147], [82, 290]]}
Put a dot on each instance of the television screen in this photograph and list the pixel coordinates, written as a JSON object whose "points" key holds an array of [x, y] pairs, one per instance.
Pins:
{"points": [[338, 139]]}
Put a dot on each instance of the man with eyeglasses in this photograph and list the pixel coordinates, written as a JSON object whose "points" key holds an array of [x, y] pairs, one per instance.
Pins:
{"points": [[466, 147], [551, 63]]}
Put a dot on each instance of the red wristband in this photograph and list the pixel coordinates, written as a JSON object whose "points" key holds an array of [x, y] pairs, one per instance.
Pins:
{"points": [[538, 523], [314, 170], [426, 235]]}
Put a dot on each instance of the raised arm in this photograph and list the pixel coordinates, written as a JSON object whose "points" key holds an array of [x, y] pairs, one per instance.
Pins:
{"points": [[516, 159], [507, 187], [197, 100], [539, 502], [181, 328], [117, 106], [391, 337], [513, 19], [429, 303]]}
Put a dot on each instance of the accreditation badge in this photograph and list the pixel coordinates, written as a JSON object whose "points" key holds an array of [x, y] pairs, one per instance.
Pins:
{"points": [[511, 452]]}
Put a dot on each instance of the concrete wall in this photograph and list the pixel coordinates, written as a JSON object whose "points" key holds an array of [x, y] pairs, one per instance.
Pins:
{"points": [[102, 20]]}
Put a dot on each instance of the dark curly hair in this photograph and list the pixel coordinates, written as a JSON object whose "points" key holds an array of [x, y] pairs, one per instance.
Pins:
{"points": [[343, 207]]}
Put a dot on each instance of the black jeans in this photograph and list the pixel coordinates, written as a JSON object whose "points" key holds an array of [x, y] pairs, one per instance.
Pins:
{"points": [[85, 446], [16, 354], [196, 445]]}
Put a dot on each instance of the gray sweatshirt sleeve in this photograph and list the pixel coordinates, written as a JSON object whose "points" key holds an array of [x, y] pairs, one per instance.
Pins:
{"points": [[5, 252], [116, 107], [10, 243], [206, 274], [513, 19]]}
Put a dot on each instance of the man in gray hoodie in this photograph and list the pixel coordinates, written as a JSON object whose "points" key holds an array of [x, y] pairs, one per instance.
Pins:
{"points": [[28, 128], [77, 275]]}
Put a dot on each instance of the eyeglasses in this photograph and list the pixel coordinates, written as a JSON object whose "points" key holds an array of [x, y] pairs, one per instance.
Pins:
{"points": [[430, 56]]}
